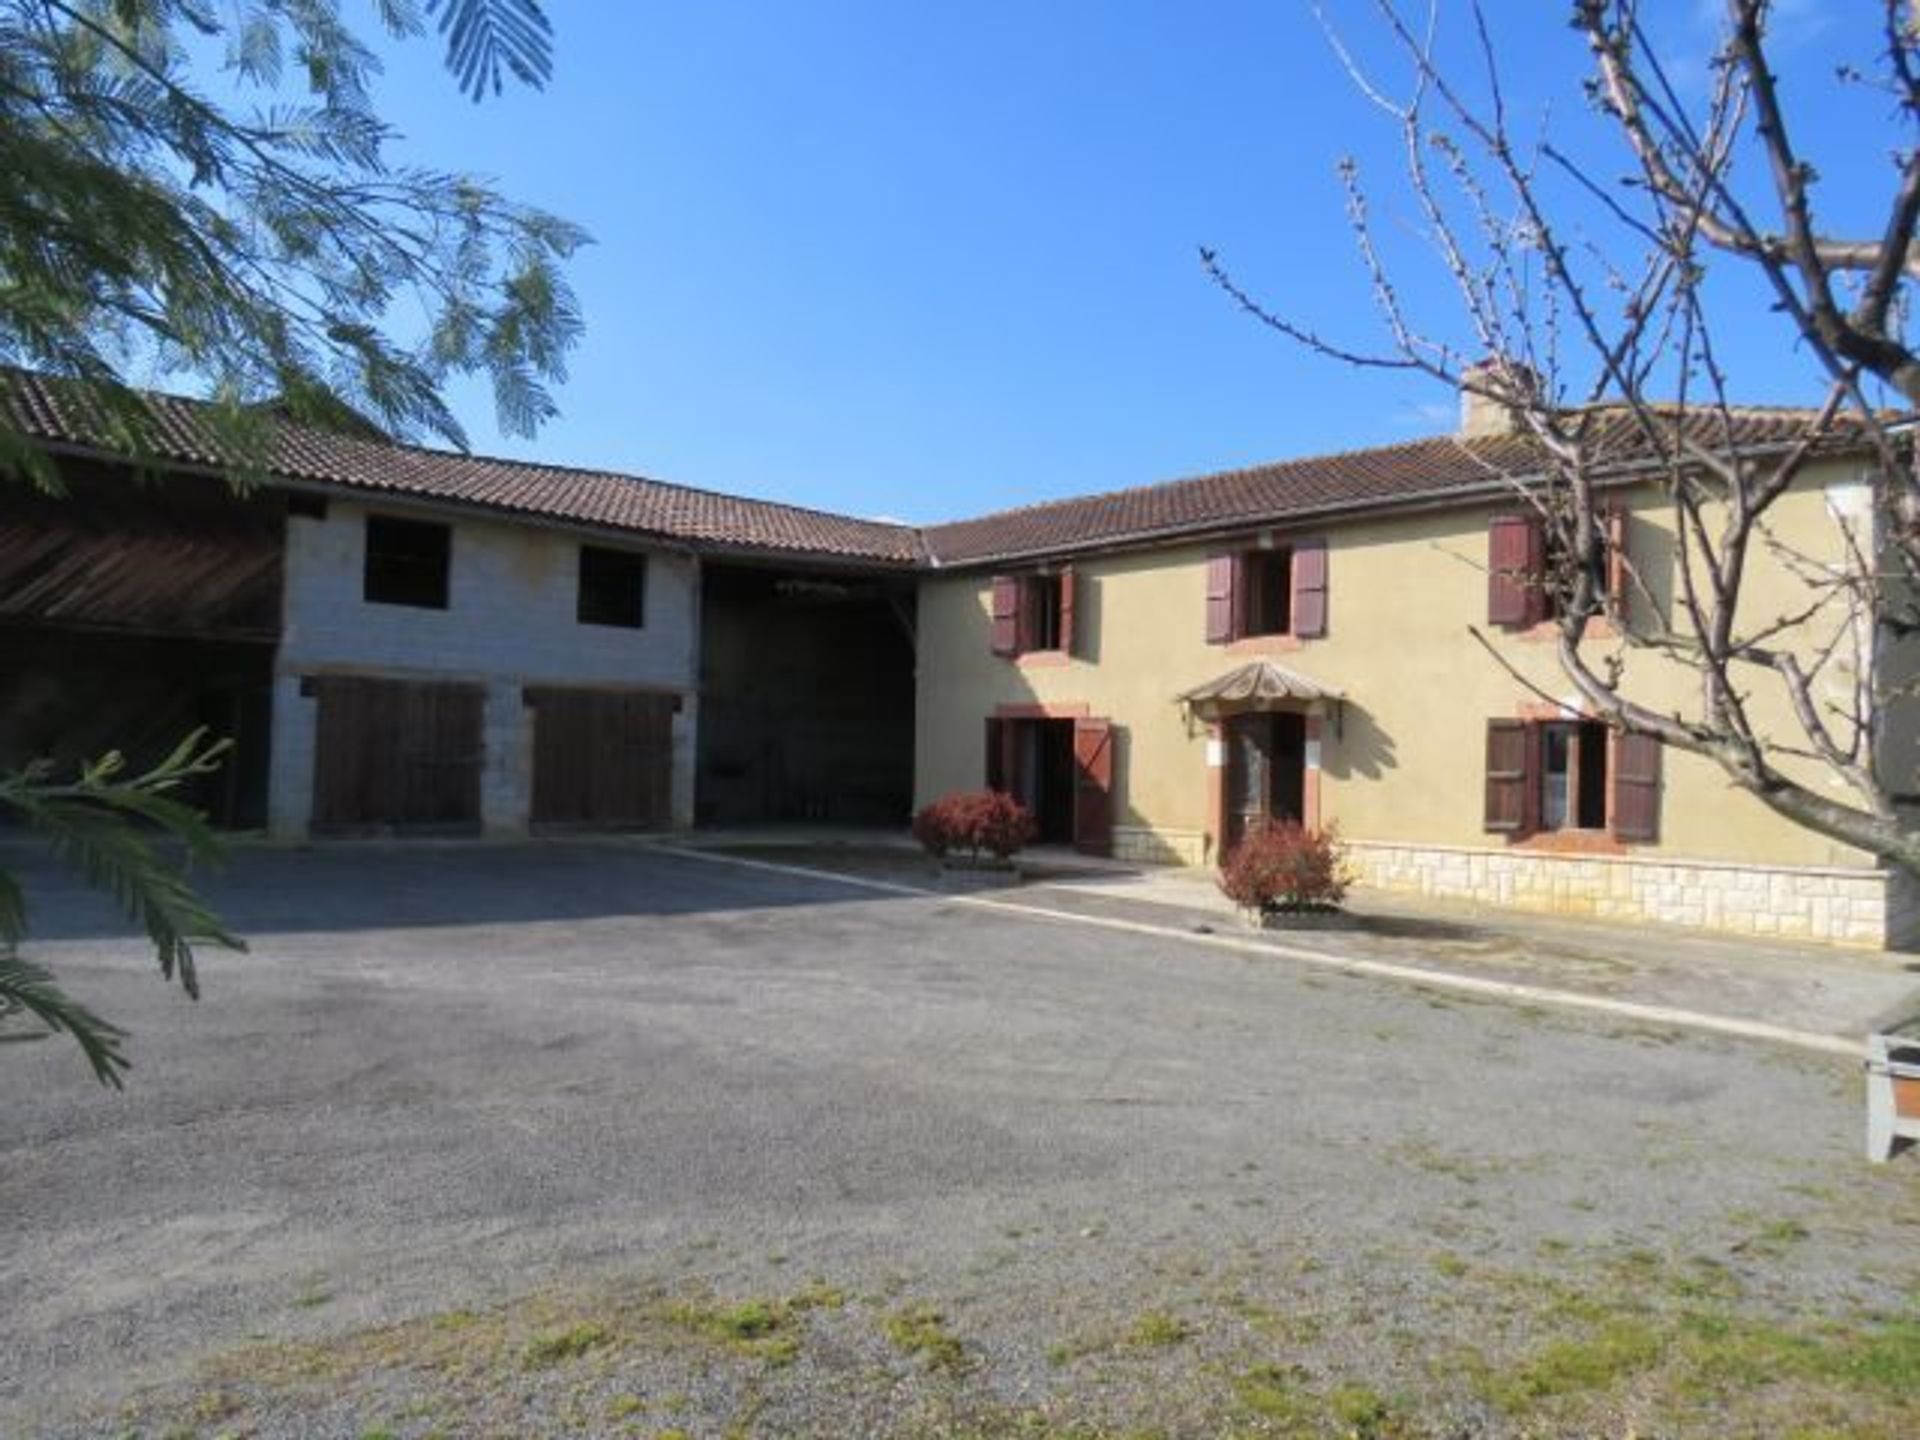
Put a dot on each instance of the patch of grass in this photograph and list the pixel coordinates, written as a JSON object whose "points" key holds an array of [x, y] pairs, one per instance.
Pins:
{"points": [[921, 1331], [1156, 1329], [556, 1347], [1450, 1265], [1363, 1413], [1704, 1278], [1274, 1394], [622, 1407], [818, 1296], [1291, 1329], [1888, 1359], [1774, 1237], [760, 1328], [1594, 1361]]}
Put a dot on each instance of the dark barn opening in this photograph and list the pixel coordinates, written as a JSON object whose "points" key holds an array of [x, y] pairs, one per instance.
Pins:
{"points": [[806, 697], [132, 613]]}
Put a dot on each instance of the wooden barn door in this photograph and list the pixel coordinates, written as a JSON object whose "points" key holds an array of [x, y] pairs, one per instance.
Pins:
{"points": [[602, 758], [396, 754]]}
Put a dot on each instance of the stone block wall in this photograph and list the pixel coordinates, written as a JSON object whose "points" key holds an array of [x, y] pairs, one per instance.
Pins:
{"points": [[1144, 846], [1839, 906]]}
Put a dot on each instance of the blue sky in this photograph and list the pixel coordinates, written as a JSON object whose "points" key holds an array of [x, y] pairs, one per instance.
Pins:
{"points": [[923, 261]]}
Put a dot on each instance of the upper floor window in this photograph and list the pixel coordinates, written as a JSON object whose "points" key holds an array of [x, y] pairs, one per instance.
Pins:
{"points": [[1033, 613], [407, 562], [1528, 560], [1041, 611], [613, 588], [1277, 590], [1268, 600]]}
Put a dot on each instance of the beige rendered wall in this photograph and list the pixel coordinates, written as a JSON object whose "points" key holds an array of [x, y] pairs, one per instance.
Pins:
{"points": [[1405, 763]]}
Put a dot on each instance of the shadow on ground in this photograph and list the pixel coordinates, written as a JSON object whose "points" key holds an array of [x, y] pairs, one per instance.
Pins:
{"points": [[377, 885]]}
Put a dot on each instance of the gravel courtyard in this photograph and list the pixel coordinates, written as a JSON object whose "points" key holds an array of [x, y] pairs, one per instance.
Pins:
{"points": [[583, 1139]]}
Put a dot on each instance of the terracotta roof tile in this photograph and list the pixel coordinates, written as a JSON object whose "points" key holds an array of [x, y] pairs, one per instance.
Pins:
{"points": [[57, 412], [1388, 474]]}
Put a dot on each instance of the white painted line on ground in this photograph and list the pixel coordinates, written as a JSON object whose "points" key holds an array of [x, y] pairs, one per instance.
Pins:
{"points": [[1378, 969]]}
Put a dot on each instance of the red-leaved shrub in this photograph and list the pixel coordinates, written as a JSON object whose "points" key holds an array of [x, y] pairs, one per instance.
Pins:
{"points": [[1285, 866], [976, 821]]}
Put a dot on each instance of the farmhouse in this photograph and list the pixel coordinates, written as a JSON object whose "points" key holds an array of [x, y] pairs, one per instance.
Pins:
{"points": [[403, 640], [406, 640]]}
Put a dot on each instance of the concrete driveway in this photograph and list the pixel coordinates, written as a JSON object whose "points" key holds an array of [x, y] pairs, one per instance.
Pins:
{"points": [[452, 1074]]}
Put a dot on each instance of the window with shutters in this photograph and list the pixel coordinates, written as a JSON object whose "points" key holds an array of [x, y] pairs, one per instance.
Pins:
{"points": [[1033, 614], [1278, 591], [1524, 555], [1545, 777]]}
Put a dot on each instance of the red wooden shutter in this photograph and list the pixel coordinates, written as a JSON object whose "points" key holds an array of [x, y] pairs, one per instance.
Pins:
{"points": [[1310, 588], [1093, 786], [1223, 575], [1006, 615], [1066, 610], [1509, 775], [1636, 787], [1516, 564]]}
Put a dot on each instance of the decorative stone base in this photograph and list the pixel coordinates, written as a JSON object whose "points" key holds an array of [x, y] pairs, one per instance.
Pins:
{"points": [[1159, 847], [1859, 907]]}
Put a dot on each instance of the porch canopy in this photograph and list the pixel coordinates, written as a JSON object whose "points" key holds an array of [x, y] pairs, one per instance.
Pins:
{"points": [[1257, 685]]}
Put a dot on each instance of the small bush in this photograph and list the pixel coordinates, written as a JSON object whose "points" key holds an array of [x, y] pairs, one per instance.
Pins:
{"points": [[1285, 866], [976, 822]]}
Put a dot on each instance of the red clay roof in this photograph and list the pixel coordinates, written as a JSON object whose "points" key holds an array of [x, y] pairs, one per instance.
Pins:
{"points": [[56, 412], [1418, 470], [1388, 474]]}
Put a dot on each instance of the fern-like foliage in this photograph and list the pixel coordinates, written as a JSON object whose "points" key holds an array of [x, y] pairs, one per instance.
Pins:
{"points": [[485, 37], [110, 827], [265, 248]]}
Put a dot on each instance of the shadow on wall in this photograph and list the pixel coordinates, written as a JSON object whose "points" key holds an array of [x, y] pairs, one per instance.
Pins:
{"points": [[1653, 552], [1088, 618], [1358, 745]]}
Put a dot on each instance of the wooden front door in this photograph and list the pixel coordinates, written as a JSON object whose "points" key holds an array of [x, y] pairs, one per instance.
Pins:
{"points": [[602, 758], [392, 754], [1266, 771]]}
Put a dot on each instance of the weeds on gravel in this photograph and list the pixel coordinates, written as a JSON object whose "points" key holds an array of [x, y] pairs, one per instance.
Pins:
{"points": [[1364, 1414], [921, 1332], [1275, 1393], [556, 1347], [759, 1328], [1156, 1329]]}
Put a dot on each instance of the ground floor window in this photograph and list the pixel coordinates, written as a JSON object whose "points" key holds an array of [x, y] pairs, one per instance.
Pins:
{"points": [[1544, 776]]}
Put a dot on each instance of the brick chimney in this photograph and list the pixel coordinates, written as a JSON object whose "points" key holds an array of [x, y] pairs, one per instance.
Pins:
{"points": [[1483, 415]]}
